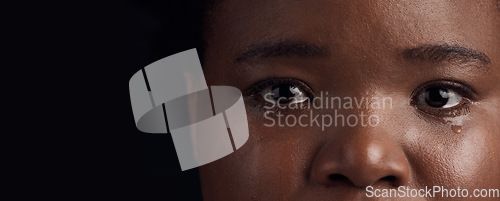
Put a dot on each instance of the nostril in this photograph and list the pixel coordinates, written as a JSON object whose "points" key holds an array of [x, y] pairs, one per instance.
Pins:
{"points": [[337, 177], [389, 178], [394, 181]]}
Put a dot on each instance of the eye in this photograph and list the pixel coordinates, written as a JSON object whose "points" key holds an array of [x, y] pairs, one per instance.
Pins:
{"points": [[283, 91], [438, 97], [284, 94], [443, 98]]}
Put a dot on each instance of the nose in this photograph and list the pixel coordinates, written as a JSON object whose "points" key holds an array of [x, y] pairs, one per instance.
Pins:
{"points": [[361, 158]]}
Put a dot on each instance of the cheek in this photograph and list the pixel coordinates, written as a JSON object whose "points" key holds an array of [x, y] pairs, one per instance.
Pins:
{"points": [[441, 157], [274, 162]]}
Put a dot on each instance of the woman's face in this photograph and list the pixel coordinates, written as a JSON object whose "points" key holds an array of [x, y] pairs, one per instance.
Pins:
{"points": [[434, 64]]}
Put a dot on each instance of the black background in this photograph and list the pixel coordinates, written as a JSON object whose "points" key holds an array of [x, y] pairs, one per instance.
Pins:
{"points": [[145, 32], [76, 59]]}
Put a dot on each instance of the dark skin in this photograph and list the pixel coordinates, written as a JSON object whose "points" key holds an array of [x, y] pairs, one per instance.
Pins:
{"points": [[353, 49]]}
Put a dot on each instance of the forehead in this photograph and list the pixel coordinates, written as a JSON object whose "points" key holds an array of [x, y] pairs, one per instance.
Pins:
{"points": [[238, 24]]}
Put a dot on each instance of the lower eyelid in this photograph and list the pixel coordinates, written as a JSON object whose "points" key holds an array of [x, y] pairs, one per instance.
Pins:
{"points": [[462, 108]]}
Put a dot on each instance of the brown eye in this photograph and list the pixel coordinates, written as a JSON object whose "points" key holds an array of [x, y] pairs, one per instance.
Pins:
{"points": [[280, 91], [284, 94], [438, 97], [443, 98]]}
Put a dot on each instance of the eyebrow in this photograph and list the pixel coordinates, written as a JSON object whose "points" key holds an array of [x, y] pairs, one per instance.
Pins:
{"points": [[431, 53], [287, 48], [446, 53]]}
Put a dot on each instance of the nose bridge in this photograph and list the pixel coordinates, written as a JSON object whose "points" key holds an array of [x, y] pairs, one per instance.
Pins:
{"points": [[357, 107]]}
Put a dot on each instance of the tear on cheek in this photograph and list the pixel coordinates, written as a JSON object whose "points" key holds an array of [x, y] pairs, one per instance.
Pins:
{"points": [[456, 123], [456, 129]]}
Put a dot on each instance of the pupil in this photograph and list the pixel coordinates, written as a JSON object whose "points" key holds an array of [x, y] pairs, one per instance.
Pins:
{"points": [[283, 93], [436, 97]]}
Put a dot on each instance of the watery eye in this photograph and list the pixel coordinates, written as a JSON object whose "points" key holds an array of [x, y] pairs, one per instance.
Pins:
{"points": [[438, 97], [285, 93], [444, 98]]}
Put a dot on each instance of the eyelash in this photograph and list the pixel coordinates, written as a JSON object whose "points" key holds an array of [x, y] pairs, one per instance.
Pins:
{"points": [[255, 99], [461, 108]]}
